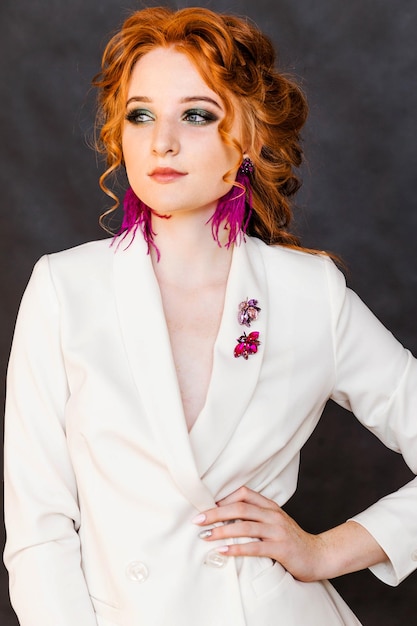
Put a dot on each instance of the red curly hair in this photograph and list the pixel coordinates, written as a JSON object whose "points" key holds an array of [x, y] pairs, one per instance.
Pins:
{"points": [[237, 62]]}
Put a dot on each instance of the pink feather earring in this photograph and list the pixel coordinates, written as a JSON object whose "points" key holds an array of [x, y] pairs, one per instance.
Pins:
{"points": [[235, 208], [137, 214]]}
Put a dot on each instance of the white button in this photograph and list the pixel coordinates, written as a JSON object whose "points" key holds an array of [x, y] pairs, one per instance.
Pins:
{"points": [[137, 571], [215, 559], [414, 555]]}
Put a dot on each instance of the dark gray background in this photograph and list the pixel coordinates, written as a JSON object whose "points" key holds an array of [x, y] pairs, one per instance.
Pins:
{"points": [[357, 62]]}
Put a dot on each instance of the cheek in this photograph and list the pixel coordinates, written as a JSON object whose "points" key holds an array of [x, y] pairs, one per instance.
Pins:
{"points": [[132, 158], [131, 141], [126, 147], [125, 151], [225, 163]]}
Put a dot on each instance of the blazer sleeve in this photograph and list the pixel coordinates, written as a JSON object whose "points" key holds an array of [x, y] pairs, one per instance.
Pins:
{"points": [[376, 378], [42, 553]]}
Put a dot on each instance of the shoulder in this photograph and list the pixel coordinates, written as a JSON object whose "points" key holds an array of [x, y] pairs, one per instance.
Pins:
{"points": [[80, 262], [78, 266], [87, 253], [283, 254], [298, 269]]}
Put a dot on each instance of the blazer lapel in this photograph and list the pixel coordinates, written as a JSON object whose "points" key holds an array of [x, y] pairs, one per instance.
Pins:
{"points": [[148, 348], [233, 379]]}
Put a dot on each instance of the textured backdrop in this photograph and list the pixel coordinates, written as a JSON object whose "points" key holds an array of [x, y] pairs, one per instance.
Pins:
{"points": [[357, 63]]}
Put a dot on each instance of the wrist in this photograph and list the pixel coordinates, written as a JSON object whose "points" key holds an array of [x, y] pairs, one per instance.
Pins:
{"points": [[347, 548]]}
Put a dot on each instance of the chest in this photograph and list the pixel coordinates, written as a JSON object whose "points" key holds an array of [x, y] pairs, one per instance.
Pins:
{"points": [[193, 320]]}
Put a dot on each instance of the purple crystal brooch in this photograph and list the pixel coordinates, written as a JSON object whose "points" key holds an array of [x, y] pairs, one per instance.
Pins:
{"points": [[248, 312]]}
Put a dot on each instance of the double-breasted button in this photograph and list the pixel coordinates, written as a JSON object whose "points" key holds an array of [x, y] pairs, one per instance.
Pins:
{"points": [[137, 571], [414, 555], [215, 559]]}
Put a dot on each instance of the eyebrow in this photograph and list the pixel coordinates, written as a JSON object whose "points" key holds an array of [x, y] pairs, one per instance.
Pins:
{"points": [[183, 100]]}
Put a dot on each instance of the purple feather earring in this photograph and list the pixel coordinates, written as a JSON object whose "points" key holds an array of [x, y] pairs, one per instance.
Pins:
{"points": [[137, 214], [235, 208]]}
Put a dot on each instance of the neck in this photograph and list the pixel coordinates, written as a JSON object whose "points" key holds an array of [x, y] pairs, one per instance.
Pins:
{"points": [[190, 257]]}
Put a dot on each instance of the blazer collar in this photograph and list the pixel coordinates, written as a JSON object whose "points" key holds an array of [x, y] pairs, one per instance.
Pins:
{"points": [[188, 455], [233, 380]]}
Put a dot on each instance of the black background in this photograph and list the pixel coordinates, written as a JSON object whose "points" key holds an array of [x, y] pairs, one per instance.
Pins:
{"points": [[357, 63]]}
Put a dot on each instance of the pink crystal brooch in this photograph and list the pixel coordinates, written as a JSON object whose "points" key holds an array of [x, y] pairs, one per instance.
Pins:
{"points": [[248, 312], [247, 344]]}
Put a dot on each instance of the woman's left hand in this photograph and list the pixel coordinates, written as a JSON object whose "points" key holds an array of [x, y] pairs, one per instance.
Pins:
{"points": [[346, 548], [275, 534]]}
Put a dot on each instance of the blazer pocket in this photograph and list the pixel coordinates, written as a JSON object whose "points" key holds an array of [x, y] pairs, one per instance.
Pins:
{"points": [[270, 579], [108, 612]]}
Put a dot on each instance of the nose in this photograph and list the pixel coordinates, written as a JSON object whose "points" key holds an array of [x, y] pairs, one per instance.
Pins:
{"points": [[165, 138]]}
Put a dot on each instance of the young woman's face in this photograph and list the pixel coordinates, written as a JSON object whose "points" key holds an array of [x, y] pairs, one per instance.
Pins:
{"points": [[174, 155]]}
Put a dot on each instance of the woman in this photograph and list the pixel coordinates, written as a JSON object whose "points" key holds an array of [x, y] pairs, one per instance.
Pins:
{"points": [[161, 386]]}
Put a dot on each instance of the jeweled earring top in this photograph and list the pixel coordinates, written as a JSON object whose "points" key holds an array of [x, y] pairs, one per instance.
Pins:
{"points": [[247, 167]]}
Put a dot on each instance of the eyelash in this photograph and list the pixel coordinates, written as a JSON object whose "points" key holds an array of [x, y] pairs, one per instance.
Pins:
{"points": [[135, 115], [207, 117]]}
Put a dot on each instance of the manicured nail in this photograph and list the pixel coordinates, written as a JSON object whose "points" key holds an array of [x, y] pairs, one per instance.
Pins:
{"points": [[222, 549], [205, 533], [199, 519]]}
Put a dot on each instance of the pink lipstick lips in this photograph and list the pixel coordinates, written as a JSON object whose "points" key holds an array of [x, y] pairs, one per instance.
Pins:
{"points": [[166, 175]]}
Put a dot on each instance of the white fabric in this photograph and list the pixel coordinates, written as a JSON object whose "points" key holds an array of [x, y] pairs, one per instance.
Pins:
{"points": [[102, 477]]}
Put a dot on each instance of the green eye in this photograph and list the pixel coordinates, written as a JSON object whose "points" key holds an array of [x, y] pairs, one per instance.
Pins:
{"points": [[139, 116], [199, 117]]}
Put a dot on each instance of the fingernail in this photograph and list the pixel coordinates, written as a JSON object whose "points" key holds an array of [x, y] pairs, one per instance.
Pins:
{"points": [[222, 549], [205, 533], [199, 519]]}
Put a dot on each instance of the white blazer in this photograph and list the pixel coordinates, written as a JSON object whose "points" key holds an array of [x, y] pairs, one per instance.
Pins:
{"points": [[102, 477]]}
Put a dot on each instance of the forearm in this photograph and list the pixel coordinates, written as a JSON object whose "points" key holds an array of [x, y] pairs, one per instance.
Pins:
{"points": [[344, 549]]}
